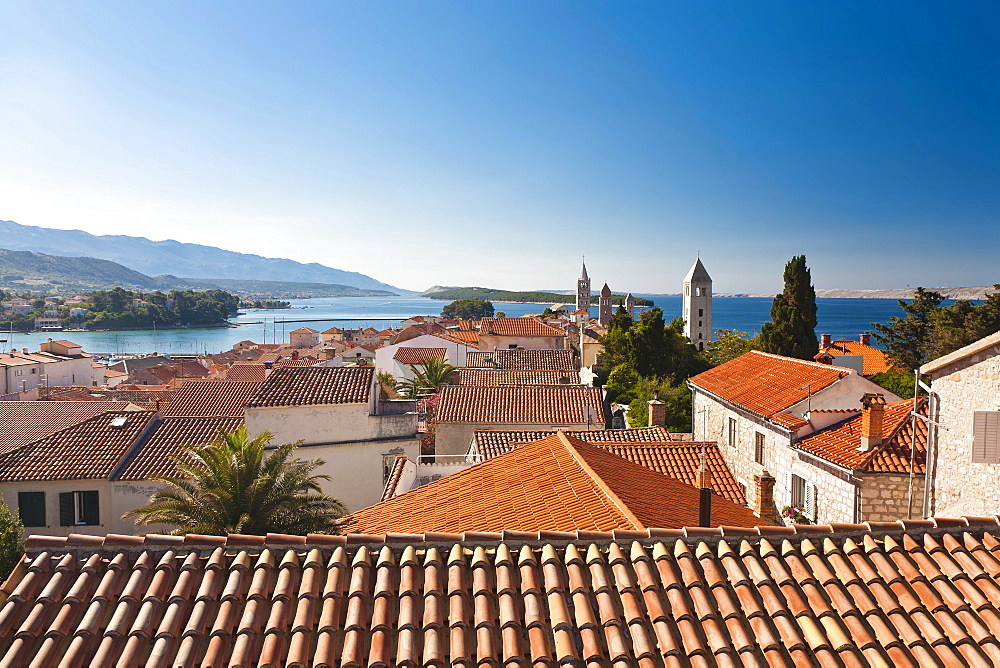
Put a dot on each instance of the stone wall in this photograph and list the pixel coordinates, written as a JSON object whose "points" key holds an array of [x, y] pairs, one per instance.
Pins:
{"points": [[959, 486], [884, 497]]}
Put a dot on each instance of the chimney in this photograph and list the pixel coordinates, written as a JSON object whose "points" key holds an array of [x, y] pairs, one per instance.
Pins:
{"points": [[823, 358], [866, 339], [825, 340], [704, 495], [657, 413], [872, 411], [764, 496]]}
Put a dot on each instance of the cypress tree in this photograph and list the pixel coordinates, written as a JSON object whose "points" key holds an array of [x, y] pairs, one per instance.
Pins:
{"points": [[792, 330]]}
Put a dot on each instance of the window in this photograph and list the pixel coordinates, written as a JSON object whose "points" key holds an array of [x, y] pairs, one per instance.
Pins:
{"points": [[802, 494], [732, 432], [758, 448], [701, 312], [18, 372], [79, 509], [986, 437], [31, 508], [34, 371], [512, 346]]}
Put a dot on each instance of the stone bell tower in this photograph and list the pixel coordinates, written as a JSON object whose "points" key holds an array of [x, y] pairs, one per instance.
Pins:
{"points": [[697, 298], [583, 290]]}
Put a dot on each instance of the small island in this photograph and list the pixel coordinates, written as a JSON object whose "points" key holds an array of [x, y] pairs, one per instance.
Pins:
{"points": [[495, 295]]}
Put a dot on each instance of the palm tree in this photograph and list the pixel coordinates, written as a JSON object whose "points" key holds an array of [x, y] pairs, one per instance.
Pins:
{"points": [[229, 486], [428, 377]]}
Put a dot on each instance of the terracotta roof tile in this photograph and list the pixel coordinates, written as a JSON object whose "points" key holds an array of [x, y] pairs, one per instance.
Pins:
{"points": [[88, 450], [23, 422], [212, 398], [515, 377], [874, 360], [789, 421], [307, 386], [418, 355], [517, 327], [866, 595], [394, 477], [767, 384], [247, 371], [524, 360], [534, 404], [558, 483], [155, 456], [840, 443]]}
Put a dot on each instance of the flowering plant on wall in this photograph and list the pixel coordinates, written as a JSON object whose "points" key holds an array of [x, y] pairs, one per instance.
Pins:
{"points": [[794, 515]]}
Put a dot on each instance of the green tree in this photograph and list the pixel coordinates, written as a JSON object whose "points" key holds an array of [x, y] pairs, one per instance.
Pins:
{"points": [[11, 540], [228, 485], [897, 381], [907, 340], [792, 329], [730, 344], [428, 378], [468, 309]]}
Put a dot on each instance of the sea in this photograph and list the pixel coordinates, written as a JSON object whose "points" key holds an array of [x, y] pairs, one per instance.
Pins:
{"points": [[841, 318]]}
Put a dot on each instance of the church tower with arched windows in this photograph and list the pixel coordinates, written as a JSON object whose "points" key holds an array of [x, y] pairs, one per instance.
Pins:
{"points": [[604, 310], [697, 297], [583, 290]]}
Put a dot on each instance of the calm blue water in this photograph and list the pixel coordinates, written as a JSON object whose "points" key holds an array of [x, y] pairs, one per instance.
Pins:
{"points": [[842, 318]]}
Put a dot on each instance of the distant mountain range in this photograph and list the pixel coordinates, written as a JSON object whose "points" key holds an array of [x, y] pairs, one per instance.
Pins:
{"points": [[153, 258], [24, 270]]}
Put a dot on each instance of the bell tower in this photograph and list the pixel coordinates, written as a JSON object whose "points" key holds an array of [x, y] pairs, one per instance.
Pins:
{"points": [[583, 290], [698, 305]]}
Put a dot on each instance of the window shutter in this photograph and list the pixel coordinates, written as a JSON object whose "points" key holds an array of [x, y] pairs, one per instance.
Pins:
{"points": [[66, 514], [31, 508], [985, 437], [809, 502], [91, 507], [788, 488]]}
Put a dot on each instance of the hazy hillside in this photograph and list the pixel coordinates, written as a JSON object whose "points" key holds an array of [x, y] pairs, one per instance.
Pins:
{"points": [[24, 270], [179, 259]]}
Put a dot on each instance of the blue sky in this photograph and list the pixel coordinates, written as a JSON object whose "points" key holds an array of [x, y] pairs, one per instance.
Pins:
{"points": [[493, 144]]}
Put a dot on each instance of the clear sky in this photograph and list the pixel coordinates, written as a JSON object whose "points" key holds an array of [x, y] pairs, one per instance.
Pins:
{"points": [[494, 143]]}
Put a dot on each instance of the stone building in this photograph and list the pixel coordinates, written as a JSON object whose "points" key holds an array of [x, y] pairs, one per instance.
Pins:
{"points": [[965, 442], [697, 297], [761, 407], [604, 310], [583, 290]]}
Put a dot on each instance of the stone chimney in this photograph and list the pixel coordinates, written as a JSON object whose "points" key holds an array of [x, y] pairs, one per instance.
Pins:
{"points": [[657, 413], [872, 412], [763, 506], [825, 340], [704, 494], [866, 339]]}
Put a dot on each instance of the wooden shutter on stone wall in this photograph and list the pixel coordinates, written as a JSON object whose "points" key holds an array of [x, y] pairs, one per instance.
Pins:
{"points": [[67, 510], [986, 437]]}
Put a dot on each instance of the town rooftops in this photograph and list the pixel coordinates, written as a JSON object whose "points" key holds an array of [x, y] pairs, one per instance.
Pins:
{"points": [[155, 455], [418, 355], [767, 384], [310, 386], [304, 330], [647, 446], [515, 377], [973, 350], [88, 450], [526, 404], [212, 398], [516, 327], [873, 360], [520, 359], [909, 593], [558, 483], [840, 443], [23, 422], [252, 371]]}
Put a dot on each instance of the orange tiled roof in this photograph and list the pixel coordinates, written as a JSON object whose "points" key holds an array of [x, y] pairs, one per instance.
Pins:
{"points": [[460, 336], [212, 398], [418, 355], [558, 483], [252, 371], [789, 421], [520, 404], [777, 596], [767, 384], [155, 456], [24, 422], [525, 360], [874, 360], [839, 443], [515, 377], [310, 386], [394, 477], [517, 327], [88, 450], [647, 446]]}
